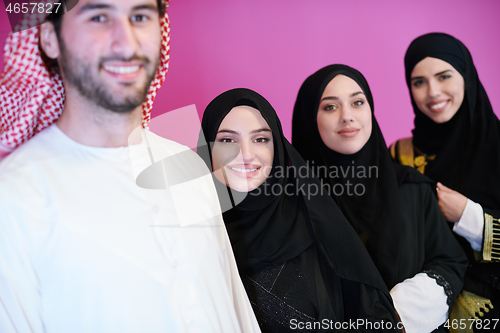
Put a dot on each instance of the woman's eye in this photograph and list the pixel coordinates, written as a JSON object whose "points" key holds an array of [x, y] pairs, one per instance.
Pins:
{"points": [[139, 18], [418, 83], [262, 140], [98, 18], [444, 77], [330, 107], [226, 140], [358, 103]]}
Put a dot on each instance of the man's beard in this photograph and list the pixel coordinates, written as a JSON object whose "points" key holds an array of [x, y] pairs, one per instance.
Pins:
{"points": [[80, 75]]}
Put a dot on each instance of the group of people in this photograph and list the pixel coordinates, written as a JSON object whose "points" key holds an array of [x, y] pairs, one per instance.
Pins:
{"points": [[107, 227]]}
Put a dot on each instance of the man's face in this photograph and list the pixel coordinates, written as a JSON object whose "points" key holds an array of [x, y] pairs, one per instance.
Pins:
{"points": [[109, 51]]}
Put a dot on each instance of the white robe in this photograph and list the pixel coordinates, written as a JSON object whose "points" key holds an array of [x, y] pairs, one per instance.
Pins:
{"points": [[84, 249]]}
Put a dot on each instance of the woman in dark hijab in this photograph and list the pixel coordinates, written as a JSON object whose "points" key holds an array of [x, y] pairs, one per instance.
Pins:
{"points": [[391, 207], [456, 142], [302, 264]]}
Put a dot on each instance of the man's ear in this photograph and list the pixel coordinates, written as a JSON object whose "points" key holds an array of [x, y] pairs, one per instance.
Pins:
{"points": [[48, 40]]}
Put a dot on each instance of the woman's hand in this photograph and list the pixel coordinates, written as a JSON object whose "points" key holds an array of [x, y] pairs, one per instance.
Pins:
{"points": [[451, 202]]}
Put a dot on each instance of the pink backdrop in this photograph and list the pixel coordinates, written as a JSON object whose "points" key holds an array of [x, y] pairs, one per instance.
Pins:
{"points": [[271, 46]]}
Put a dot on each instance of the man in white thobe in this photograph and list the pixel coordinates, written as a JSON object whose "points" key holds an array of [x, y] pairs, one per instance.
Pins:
{"points": [[83, 248]]}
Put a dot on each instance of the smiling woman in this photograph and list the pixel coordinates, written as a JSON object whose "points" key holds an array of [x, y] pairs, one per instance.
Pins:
{"points": [[299, 259], [245, 127], [456, 142], [437, 88]]}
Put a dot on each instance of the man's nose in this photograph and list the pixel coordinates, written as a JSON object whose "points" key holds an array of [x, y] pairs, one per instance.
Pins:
{"points": [[125, 41]]}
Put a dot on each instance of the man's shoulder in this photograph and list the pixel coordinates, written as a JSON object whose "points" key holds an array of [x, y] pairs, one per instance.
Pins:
{"points": [[167, 146], [23, 172], [41, 147]]}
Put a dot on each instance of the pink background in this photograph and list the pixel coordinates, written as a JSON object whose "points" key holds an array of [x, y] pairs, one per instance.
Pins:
{"points": [[271, 46]]}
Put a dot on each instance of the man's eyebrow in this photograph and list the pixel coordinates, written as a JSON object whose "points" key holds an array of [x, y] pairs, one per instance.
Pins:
{"points": [[147, 7], [97, 5], [260, 130]]}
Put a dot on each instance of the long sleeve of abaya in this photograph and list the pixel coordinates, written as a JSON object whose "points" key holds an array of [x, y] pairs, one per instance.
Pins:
{"points": [[444, 258], [366, 310], [432, 274]]}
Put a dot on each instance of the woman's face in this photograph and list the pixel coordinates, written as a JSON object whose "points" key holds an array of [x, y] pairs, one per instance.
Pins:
{"points": [[437, 88], [243, 152], [344, 116]]}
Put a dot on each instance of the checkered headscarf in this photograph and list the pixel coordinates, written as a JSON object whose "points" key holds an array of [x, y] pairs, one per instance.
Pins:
{"points": [[32, 95]]}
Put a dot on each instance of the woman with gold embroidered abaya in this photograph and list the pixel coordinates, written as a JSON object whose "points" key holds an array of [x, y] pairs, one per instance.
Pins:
{"points": [[456, 142]]}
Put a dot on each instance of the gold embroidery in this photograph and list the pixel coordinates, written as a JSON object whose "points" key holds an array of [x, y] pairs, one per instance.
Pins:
{"points": [[406, 154], [469, 306], [491, 242], [419, 161], [392, 149]]}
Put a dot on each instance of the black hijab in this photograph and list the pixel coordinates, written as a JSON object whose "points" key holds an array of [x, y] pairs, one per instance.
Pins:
{"points": [[374, 214], [467, 147], [265, 229]]}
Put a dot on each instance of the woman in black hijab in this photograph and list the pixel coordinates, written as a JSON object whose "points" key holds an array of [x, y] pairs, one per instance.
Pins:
{"points": [[302, 264], [392, 208], [456, 142]]}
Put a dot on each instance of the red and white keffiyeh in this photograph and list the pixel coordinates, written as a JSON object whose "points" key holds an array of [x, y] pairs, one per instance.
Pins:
{"points": [[32, 95]]}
